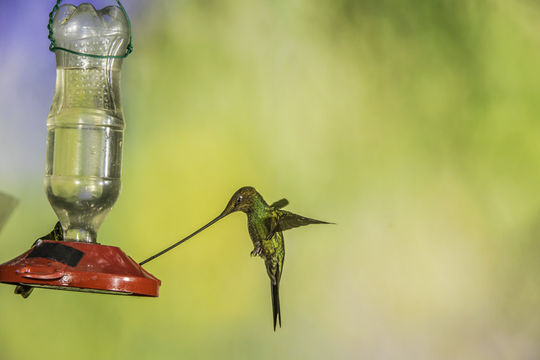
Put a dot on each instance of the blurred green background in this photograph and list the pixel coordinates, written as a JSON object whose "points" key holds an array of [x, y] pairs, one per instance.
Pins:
{"points": [[412, 124]]}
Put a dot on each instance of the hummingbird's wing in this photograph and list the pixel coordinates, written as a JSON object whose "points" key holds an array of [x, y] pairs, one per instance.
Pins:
{"points": [[56, 234], [286, 220], [7, 205], [280, 204]]}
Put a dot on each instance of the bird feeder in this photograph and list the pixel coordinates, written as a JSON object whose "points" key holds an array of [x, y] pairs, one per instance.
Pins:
{"points": [[85, 130]]}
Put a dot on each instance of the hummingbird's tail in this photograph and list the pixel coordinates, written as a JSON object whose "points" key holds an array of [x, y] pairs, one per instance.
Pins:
{"points": [[275, 304]]}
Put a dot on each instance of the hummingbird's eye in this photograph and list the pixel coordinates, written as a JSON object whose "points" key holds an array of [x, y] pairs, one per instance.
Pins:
{"points": [[239, 199]]}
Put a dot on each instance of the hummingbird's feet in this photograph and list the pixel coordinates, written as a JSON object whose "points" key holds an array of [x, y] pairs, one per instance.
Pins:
{"points": [[257, 251]]}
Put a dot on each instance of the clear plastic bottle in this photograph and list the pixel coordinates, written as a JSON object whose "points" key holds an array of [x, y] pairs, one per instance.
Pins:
{"points": [[85, 125]]}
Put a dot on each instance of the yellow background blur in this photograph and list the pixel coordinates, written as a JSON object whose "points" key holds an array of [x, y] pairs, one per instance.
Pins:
{"points": [[413, 125]]}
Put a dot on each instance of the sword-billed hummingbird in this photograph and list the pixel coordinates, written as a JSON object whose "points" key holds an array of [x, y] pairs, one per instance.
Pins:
{"points": [[265, 225]]}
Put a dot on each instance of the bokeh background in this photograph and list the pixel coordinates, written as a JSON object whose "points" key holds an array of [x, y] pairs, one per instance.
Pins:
{"points": [[412, 124]]}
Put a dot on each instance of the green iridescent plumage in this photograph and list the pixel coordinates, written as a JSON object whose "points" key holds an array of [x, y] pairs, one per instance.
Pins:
{"points": [[266, 224], [56, 234]]}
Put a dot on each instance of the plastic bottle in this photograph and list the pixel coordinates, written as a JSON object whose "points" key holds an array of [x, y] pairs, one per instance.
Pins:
{"points": [[85, 125]]}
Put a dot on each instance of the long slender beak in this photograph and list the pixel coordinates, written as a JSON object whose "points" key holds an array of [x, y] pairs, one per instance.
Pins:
{"points": [[221, 216]]}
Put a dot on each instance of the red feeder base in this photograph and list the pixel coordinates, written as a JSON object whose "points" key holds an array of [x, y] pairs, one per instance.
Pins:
{"points": [[78, 266]]}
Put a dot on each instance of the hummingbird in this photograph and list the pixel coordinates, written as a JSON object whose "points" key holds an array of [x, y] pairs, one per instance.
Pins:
{"points": [[266, 224], [56, 234]]}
